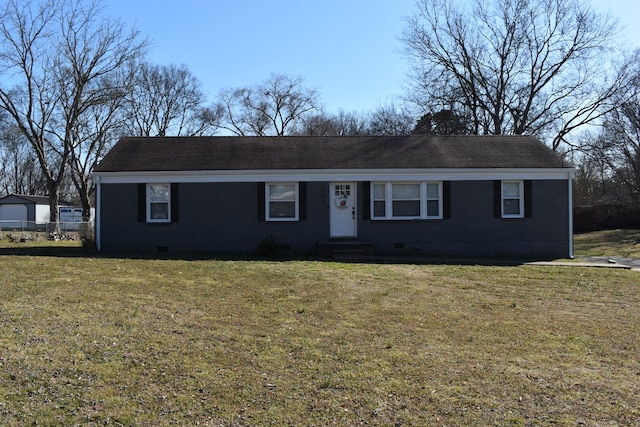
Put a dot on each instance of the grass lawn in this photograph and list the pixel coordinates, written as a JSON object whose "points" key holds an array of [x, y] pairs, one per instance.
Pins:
{"points": [[125, 341], [622, 243]]}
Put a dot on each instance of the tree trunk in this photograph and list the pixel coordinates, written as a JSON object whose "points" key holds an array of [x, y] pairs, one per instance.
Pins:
{"points": [[54, 202], [85, 201]]}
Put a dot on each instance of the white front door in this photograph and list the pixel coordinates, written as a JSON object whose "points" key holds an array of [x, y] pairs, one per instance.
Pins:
{"points": [[343, 210]]}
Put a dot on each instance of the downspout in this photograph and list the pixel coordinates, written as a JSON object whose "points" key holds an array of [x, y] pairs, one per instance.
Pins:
{"points": [[98, 212], [570, 183]]}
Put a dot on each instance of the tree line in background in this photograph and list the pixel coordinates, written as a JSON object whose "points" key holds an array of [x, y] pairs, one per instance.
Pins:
{"points": [[72, 81]]}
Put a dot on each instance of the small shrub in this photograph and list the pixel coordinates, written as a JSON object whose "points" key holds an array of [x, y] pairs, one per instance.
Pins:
{"points": [[87, 237]]}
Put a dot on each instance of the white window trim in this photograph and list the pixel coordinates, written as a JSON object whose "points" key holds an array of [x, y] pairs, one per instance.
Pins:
{"points": [[268, 197], [148, 203], [388, 201], [426, 199], [520, 183]]}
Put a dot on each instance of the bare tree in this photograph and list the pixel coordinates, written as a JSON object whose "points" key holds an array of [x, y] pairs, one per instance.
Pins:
{"points": [[341, 124], [593, 181], [168, 100], [391, 120], [103, 56], [618, 148], [385, 120], [97, 129], [28, 67], [19, 171], [514, 66], [274, 107], [54, 58]]}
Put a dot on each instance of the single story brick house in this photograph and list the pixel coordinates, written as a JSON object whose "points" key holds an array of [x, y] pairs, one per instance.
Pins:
{"points": [[430, 195]]}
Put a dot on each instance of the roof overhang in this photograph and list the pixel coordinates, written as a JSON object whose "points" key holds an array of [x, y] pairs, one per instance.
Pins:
{"points": [[333, 175]]}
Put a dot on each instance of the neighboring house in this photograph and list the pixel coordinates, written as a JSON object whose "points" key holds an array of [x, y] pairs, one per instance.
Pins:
{"points": [[19, 211], [431, 195]]}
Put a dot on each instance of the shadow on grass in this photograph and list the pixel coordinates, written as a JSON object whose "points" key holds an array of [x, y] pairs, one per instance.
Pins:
{"points": [[82, 252], [48, 251]]}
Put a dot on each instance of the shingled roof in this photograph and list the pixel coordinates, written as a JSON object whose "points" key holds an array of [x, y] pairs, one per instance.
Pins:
{"points": [[38, 200], [299, 153]]}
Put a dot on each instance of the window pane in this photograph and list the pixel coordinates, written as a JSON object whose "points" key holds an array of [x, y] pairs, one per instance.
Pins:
{"points": [[379, 209], [342, 190], [159, 193], [159, 210], [282, 210], [405, 191], [406, 208], [432, 191], [378, 191], [433, 207], [510, 189], [511, 206], [282, 192]]}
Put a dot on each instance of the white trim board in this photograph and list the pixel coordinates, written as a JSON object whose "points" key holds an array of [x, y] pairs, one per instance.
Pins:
{"points": [[334, 175]]}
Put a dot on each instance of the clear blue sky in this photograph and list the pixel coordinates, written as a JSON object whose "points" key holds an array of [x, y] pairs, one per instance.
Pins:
{"points": [[349, 50]]}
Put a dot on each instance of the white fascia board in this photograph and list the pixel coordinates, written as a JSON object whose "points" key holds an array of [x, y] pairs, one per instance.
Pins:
{"points": [[334, 175]]}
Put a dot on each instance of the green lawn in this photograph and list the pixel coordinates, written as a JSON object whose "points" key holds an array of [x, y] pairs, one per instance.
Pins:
{"points": [[125, 341]]}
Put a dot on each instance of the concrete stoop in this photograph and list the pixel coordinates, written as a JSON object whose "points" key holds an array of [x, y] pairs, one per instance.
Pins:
{"points": [[345, 248]]}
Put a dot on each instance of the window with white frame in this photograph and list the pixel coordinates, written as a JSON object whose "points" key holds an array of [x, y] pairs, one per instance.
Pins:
{"points": [[282, 202], [158, 202], [434, 199], [406, 200], [512, 199]]}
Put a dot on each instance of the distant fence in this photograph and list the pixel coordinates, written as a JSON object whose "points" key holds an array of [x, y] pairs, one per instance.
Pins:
{"points": [[18, 226]]}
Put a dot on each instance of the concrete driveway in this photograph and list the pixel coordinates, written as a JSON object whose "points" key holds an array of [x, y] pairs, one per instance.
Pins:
{"points": [[614, 260]]}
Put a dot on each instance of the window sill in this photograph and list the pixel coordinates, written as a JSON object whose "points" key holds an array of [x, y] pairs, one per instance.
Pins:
{"points": [[406, 219]]}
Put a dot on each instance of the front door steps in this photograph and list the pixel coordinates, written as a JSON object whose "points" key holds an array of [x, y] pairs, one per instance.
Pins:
{"points": [[344, 247]]}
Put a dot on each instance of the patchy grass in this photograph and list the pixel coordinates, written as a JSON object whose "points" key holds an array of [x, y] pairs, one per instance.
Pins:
{"points": [[624, 243], [117, 341], [36, 244]]}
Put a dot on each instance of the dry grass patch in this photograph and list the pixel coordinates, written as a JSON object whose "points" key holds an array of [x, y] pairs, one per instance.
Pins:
{"points": [[93, 341], [622, 243]]}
